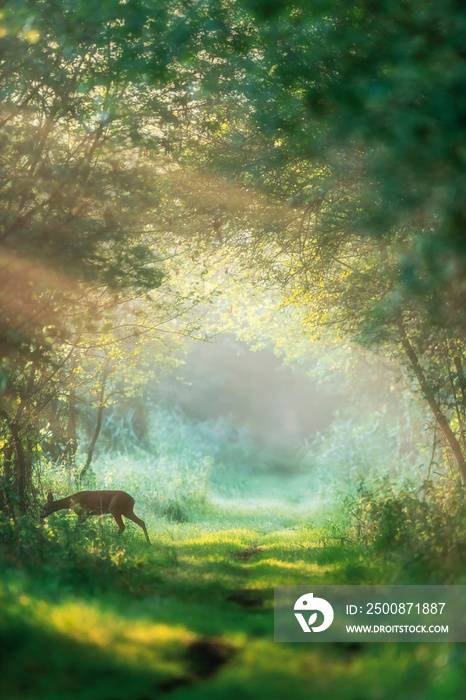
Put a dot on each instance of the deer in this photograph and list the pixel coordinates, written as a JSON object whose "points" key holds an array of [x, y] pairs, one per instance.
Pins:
{"points": [[87, 503]]}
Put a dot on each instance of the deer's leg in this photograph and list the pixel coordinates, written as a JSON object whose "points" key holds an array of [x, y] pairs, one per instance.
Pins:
{"points": [[82, 516], [119, 522], [138, 521]]}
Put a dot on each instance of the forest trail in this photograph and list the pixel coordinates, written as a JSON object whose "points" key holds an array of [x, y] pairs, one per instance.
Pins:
{"points": [[190, 617]]}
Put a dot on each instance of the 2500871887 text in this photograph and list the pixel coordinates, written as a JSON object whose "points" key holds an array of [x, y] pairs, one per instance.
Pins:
{"points": [[397, 608]]}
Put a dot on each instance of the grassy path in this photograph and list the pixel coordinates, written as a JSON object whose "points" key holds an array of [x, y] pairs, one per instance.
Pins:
{"points": [[192, 617]]}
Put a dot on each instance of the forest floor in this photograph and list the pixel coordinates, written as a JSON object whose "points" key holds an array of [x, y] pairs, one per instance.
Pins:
{"points": [[85, 614]]}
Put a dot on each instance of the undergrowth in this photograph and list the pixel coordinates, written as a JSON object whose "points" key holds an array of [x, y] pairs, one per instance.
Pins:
{"points": [[424, 528], [192, 615]]}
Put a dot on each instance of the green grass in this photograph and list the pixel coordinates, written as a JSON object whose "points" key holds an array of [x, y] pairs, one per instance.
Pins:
{"points": [[86, 614]]}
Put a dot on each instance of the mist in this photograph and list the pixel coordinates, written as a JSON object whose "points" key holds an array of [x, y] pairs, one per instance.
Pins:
{"points": [[279, 407]]}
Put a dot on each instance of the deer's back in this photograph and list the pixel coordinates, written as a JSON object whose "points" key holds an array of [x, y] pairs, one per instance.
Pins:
{"points": [[102, 501]]}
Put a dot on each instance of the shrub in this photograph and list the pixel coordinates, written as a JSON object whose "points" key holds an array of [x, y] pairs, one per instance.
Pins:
{"points": [[424, 528]]}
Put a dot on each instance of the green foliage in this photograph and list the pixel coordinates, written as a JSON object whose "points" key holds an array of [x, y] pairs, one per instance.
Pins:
{"points": [[172, 482], [339, 130], [371, 445], [345, 166], [194, 610], [80, 191], [86, 557], [422, 529], [155, 617]]}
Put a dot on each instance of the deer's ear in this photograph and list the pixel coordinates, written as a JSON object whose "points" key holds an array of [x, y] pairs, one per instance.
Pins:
{"points": [[49, 497]]}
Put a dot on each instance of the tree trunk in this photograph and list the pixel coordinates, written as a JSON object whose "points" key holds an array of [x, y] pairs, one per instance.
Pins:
{"points": [[429, 395], [98, 426], [72, 443], [22, 471], [7, 455], [5, 498], [461, 378]]}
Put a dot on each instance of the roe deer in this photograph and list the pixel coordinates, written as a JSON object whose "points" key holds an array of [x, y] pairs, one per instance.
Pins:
{"points": [[86, 503]]}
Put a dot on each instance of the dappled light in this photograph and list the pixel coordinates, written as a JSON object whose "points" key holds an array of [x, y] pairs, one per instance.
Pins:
{"points": [[232, 297]]}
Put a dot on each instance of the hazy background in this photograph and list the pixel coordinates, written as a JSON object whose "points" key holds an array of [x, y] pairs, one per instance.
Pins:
{"points": [[279, 407]]}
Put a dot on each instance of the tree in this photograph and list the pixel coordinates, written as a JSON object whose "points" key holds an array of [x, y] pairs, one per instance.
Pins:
{"points": [[89, 98], [74, 208], [320, 142], [351, 115]]}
